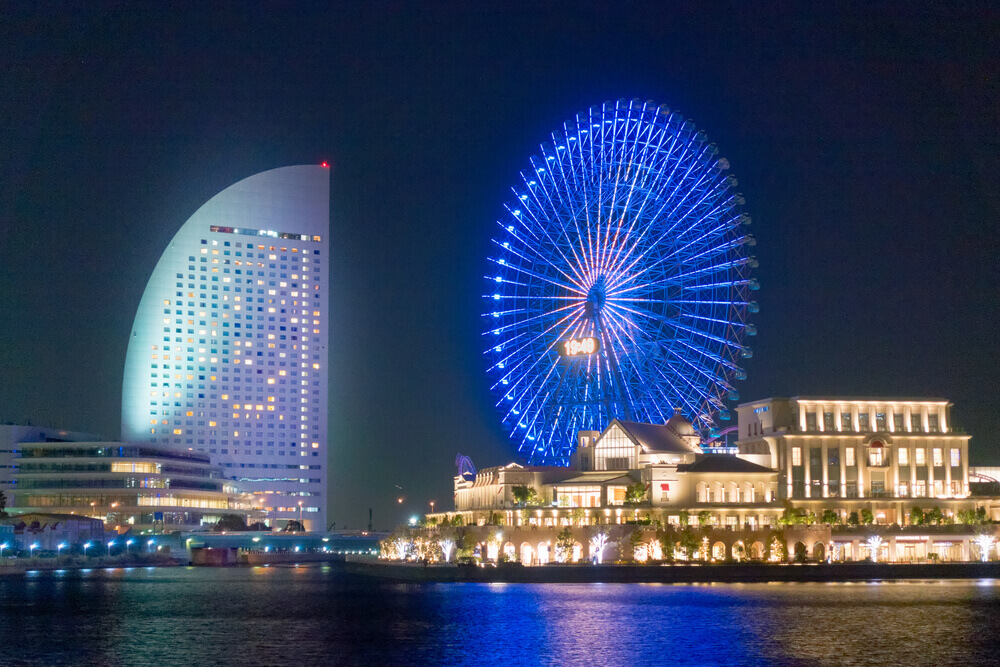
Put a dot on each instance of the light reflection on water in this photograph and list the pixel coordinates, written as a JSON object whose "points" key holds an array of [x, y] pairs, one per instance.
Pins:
{"points": [[314, 615]]}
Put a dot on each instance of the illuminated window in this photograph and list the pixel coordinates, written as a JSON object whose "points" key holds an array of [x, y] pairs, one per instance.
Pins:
{"points": [[956, 458], [919, 456], [904, 456], [875, 455], [849, 456], [932, 423], [938, 455], [796, 456]]}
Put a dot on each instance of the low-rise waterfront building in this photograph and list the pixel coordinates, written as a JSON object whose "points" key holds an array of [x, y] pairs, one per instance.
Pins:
{"points": [[842, 466], [127, 485]]}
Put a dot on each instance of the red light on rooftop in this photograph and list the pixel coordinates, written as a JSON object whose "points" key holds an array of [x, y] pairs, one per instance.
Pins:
{"points": [[325, 164]]}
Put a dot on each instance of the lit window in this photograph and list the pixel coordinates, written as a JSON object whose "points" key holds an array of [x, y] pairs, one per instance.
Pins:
{"points": [[875, 456], [956, 458], [938, 457], [904, 457], [849, 456], [919, 456], [796, 456]]}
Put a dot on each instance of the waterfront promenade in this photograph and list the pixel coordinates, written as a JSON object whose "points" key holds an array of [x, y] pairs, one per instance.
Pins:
{"points": [[669, 574]]}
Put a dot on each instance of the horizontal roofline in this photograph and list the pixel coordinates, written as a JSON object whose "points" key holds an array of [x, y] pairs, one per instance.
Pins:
{"points": [[849, 399]]}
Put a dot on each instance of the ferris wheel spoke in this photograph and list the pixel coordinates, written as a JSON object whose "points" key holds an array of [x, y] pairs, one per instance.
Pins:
{"points": [[625, 228]]}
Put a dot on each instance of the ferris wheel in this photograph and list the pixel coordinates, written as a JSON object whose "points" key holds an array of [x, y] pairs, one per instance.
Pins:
{"points": [[619, 283]]}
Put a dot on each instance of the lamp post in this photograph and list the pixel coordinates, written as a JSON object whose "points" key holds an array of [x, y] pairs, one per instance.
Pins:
{"points": [[432, 507], [129, 542], [110, 544], [301, 527], [31, 550], [2, 547], [60, 547], [86, 546], [149, 544]]}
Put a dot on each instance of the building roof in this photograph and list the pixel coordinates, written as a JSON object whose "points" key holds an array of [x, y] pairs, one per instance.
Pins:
{"points": [[722, 463], [659, 437], [850, 399]]}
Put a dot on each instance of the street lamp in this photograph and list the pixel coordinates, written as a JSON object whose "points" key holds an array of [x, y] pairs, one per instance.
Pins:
{"points": [[2, 547], [110, 544], [31, 550], [149, 544], [86, 546], [432, 507], [60, 547], [301, 527], [129, 542]]}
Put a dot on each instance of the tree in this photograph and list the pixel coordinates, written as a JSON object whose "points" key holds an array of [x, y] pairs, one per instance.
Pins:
{"points": [[684, 517], [457, 520], [259, 526], [829, 517], [917, 516], [230, 522], [524, 495], [704, 517], [564, 545], [667, 539], [635, 493], [597, 545], [853, 520], [577, 516], [777, 549], [634, 542], [689, 543], [867, 518], [293, 526], [934, 515], [466, 543]]}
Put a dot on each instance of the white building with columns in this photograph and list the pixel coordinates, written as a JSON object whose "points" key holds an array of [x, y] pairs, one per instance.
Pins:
{"points": [[883, 453]]}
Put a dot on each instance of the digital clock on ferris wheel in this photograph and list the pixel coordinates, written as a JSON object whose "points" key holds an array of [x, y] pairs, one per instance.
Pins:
{"points": [[579, 347]]}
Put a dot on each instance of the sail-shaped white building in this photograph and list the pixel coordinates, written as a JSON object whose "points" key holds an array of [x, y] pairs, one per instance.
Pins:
{"points": [[228, 351]]}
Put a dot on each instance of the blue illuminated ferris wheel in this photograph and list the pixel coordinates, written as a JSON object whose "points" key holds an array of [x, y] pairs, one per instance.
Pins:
{"points": [[620, 281]]}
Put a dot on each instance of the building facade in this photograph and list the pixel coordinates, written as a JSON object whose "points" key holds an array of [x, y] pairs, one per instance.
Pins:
{"points": [[144, 487], [228, 352], [839, 455], [848, 453]]}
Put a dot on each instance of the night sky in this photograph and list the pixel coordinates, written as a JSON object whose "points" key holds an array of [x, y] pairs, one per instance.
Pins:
{"points": [[864, 138]]}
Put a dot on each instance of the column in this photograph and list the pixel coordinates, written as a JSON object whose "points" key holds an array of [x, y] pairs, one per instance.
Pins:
{"points": [[807, 469], [826, 472], [862, 462], [907, 413], [947, 471]]}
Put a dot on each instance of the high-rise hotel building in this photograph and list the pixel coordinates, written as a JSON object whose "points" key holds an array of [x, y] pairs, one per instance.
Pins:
{"points": [[228, 351]]}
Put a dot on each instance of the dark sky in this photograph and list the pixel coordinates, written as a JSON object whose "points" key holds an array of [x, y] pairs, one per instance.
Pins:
{"points": [[864, 137]]}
